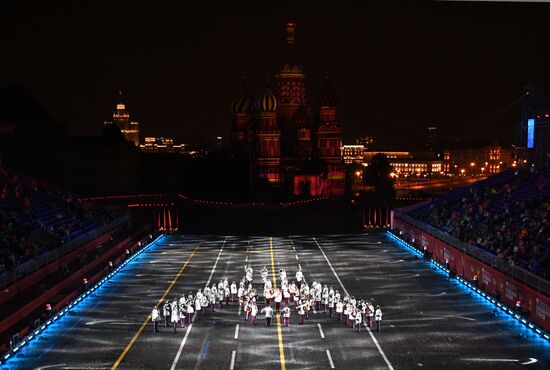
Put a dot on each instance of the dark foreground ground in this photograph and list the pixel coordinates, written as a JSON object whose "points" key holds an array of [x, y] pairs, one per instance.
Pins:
{"points": [[429, 322]]}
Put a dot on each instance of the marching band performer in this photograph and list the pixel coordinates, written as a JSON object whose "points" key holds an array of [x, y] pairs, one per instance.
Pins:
{"points": [[286, 295], [358, 320], [330, 305], [299, 277], [155, 317], [267, 296], [254, 312], [282, 273], [268, 314], [190, 308], [301, 311], [264, 274], [249, 274], [339, 309], [286, 315], [198, 305], [175, 317], [183, 312], [278, 299], [166, 312], [247, 309], [369, 310], [378, 317], [234, 291]]}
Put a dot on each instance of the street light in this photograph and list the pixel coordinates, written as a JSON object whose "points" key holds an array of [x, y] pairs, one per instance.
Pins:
{"points": [[462, 170]]}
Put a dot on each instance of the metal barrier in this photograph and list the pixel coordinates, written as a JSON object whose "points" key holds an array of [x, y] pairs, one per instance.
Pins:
{"points": [[32, 265], [536, 282]]}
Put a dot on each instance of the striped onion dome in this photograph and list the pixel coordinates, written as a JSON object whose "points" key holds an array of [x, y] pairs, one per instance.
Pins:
{"points": [[244, 103], [267, 102]]}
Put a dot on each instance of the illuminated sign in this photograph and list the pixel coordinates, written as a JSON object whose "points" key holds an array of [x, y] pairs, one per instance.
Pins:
{"points": [[530, 133]]}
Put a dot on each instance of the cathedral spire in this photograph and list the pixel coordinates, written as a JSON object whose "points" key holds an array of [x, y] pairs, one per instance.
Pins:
{"points": [[290, 64], [290, 27]]}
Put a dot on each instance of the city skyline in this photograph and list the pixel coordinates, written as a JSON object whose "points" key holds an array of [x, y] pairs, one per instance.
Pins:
{"points": [[395, 68]]}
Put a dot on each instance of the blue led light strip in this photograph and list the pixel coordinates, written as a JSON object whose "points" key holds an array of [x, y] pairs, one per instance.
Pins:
{"points": [[521, 320], [33, 335]]}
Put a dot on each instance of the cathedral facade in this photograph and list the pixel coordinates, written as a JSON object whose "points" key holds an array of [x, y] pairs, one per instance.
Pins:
{"points": [[291, 143]]}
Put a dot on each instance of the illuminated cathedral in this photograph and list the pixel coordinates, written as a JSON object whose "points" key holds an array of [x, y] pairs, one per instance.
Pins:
{"points": [[290, 145]]}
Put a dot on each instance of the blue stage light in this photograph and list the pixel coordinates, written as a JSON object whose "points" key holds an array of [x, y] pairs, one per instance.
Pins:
{"points": [[32, 337], [512, 315]]}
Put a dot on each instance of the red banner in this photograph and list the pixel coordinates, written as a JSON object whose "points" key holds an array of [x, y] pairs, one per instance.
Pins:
{"points": [[534, 305]]}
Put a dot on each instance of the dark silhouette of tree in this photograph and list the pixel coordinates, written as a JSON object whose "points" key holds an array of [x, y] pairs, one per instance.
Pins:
{"points": [[378, 174]]}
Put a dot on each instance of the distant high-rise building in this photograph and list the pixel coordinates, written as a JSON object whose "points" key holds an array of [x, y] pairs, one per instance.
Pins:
{"points": [[121, 118], [534, 132], [431, 137]]}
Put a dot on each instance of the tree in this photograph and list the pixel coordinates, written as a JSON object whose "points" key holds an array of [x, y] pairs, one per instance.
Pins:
{"points": [[379, 174]]}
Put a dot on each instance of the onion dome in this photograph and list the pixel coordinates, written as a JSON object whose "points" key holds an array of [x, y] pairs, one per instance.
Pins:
{"points": [[326, 98], [267, 102], [244, 103]]}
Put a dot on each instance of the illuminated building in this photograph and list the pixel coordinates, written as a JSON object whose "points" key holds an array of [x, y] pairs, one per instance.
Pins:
{"points": [[121, 118], [390, 154], [352, 153], [162, 145], [487, 159], [412, 166], [284, 140]]}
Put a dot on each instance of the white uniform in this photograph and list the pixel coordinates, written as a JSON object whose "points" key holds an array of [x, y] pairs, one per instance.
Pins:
{"points": [[175, 315], [268, 314], [155, 315], [378, 318]]}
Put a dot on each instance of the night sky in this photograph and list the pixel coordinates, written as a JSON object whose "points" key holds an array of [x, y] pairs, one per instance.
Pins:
{"points": [[396, 67]]}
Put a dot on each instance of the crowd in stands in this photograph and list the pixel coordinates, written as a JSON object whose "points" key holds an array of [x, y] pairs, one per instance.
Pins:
{"points": [[507, 215], [36, 217]]}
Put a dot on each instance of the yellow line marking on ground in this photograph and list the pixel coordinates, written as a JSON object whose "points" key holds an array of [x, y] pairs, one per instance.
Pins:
{"points": [[148, 319], [279, 331]]}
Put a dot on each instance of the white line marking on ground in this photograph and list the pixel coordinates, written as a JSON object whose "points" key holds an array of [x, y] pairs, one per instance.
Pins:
{"points": [[299, 267], [330, 359], [321, 331], [176, 359], [233, 354], [237, 331], [491, 359], [346, 291], [296, 257]]}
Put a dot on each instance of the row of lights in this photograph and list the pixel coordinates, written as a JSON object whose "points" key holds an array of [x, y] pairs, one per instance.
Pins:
{"points": [[150, 205], [479, 292], [35, 333], [110, 197]]}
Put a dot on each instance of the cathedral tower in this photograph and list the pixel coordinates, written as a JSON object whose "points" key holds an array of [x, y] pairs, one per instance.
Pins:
{"points": [[242, 109], [268, 137], [329, 139]]}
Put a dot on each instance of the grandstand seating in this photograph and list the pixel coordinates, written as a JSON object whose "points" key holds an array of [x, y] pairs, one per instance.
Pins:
{"points": [[36, 217], [507, 214]]}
